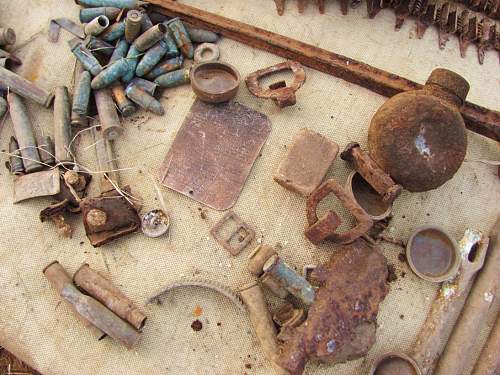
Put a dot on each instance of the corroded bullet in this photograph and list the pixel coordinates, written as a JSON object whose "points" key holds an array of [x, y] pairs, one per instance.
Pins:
{"points": [[166, 66], [97, 45], [290, 279], [133, 59], [7, 36], [122, 4], [96, 26], [15, 161], [121, 49], [111, 74], [47, 150], [146, 23], [113, 32], [62, 126], [21, 86], [3, 107], [110, 123], [181, 37], [144, 100], [23, 131], [155, 54], [100, 288], [86, 57], [81, 96], [173, 79], [88, 14], [133, 24], [150, 37], [201, 36], [145, 85], [125, 106]]}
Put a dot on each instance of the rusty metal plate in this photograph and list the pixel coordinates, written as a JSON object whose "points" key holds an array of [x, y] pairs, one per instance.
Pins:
{"points": [[38, 184], [214, 151]]}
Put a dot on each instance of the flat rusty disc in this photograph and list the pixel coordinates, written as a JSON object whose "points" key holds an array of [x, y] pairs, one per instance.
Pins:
{"points": [[214, 151]]}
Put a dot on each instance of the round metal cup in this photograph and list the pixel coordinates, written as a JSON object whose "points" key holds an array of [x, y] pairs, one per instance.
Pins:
{"points": [[395, 364], [215, 82]]}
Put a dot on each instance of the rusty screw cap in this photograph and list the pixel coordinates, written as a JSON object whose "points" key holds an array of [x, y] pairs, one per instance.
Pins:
{"points": [[449, 81], [96, 217]]}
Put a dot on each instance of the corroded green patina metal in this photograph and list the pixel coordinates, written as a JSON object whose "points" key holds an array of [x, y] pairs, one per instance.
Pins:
{"points": [[121, 49], [88, 14], [86, 57], [114, 32], [181, 37], [122, 4], [133, 59], [166, 46], [111, 74], [81, 96], [144, 100], [165, 66], [173, 79]]}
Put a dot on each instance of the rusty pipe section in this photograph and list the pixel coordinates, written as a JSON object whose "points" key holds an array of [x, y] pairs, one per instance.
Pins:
{"points": [[478, 306], [489, 360], [477, 119], [109, 295], [22, 87]]}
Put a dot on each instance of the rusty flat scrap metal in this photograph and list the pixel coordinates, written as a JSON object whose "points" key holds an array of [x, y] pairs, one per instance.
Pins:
{"points": [[214, 151], [68, 25], [38, 184], [478, 119]]}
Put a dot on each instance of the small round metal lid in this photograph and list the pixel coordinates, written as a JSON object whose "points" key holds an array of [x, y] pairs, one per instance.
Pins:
{"points": [[155, 223]]}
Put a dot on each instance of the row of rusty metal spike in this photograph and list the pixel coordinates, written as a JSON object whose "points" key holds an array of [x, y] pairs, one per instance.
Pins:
{"points": [[449, 19]]}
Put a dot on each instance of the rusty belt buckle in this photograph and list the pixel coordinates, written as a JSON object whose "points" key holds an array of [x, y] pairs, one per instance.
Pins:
{"points": [[283, 95], [324, 228], [242, 229]]}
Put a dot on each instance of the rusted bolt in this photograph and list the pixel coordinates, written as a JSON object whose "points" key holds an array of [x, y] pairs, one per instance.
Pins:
{"points": [[96, 217]]}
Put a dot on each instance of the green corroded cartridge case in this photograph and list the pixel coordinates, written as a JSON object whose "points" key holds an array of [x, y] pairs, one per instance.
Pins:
{"points": [[150, 37], [81, 95], [114, 32], [181, 37], [122, 4], [165, 66], [172, 50], [173, 79], [96, 26], [23, 131], [133, 24], [155, 54], [86, 57], [143, 84], [201, 36], [7, 36], [121, 49], [108, 118], [133, 56], [291, 280], [62, 125], [125, 106], [111, 74], [15, 161], [88, 14], [146, 23], [100, 46], [3, 107], [144, 100], [47, 150]]}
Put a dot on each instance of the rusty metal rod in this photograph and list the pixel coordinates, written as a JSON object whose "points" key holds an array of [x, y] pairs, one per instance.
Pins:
{"points": [[478, 119]]}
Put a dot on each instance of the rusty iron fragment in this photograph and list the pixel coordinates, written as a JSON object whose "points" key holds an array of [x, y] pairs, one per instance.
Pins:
{"points": [[488, 362], [306, 162], [341, 324], [371, 172], [258, 257], [88, 14], [324, 228], [289, 316], [37, 184], [108, 117], [22, 87], [283, 96], [55, 213], [62, 126], [125, 106], [231, 136], [478, 119], [238, 239], [106, 162], [66, 24], [103, 290]]}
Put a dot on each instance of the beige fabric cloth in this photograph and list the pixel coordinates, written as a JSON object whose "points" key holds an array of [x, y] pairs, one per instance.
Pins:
{"points": [[40, 329]]}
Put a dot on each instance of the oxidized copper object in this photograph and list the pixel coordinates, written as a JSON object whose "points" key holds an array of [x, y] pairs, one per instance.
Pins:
{"points": [[229, 137], [324, 228], [478, 119], [371, 172], [215, 82], [283, 96], [418, 137], [238, 239], [341, 324]]}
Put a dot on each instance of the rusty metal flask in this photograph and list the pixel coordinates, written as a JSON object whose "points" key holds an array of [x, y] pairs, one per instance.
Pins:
{"points": [[418, 137]]}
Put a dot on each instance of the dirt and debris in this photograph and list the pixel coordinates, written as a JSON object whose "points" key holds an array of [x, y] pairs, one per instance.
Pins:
{"points": [[248, 366], [402, 258], [197, 325], [11, 365], [391, 276]]}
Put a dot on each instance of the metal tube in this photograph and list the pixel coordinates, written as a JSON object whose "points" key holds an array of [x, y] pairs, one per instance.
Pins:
{"points": [[144, 100], [62, 126], [488, 362], [47, 150], [81, 95], [125, 106], [133, 24], [96, 26], [115, 31], [122, 4], [109, 295], [478, 119], [88, 14], [22, 87], [15, 161], [173, 79], [110, 123], [24, 134], [258, 258], [150, 37], [106, 162]]}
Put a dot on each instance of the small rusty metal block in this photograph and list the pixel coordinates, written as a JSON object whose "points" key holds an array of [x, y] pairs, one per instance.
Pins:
{"points": [[324, 228], [243, 231], [37, 184], [283, 96], [306, 162]]}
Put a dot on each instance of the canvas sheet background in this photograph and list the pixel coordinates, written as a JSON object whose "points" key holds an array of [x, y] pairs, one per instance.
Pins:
{"points": [[40, 329]]}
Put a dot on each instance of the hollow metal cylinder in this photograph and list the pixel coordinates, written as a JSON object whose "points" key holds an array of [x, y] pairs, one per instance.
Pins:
{"points": [[15, 161], [201, 36], [125, 106], [122, 4], [21, 86], [7, 36], [47, 150], [144, 100], [120, 51], [143, 84], [165, 66], [95, 285], [173, 79], [181, 37], [96, 26], [24, 134], [113, 32], [86, 58], [110, 123], [62, 126], [88, 14], [150, 37], [81, 95], [100, 46], [133, 24], [111, 74]]}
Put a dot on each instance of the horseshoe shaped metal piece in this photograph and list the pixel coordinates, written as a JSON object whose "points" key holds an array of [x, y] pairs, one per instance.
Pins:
{"points": [[324, 228], [280, 93]]}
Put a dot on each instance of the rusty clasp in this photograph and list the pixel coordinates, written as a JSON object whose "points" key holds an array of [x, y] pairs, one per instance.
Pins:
{"points": [[283, 95], [324, 228]]}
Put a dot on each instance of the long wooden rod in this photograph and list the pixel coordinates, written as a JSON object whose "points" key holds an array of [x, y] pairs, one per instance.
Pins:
{"points": [[478, 119]]}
